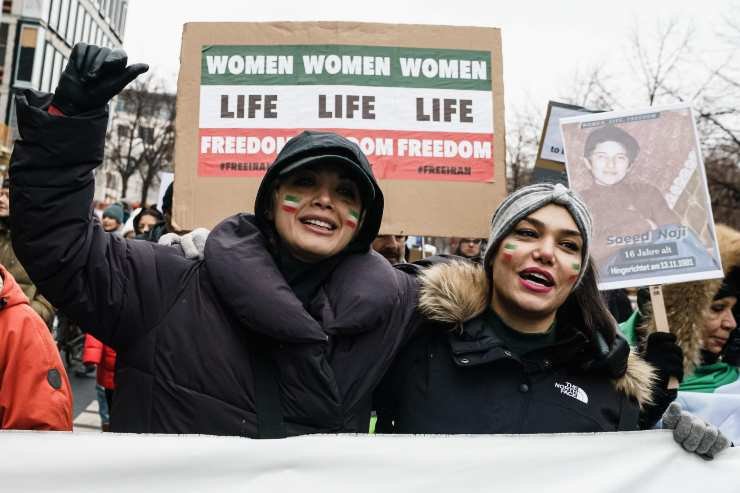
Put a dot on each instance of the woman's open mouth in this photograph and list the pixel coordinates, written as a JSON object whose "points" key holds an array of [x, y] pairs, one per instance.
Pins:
{"points": [[318, 225], [536, 280]]}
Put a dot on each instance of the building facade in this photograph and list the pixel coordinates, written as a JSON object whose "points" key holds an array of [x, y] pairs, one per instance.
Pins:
{"points": [[36, 39], [140, 138]]}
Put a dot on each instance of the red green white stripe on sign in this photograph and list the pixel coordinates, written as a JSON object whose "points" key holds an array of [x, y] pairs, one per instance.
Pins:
{"points": [[290, 203], [353, 219]]}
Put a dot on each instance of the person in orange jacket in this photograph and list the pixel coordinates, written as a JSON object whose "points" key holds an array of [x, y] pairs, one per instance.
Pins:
{"points": [[34, 389], [104, 357]]}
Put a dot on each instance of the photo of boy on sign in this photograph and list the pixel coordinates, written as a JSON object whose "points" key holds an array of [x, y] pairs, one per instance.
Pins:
{"points": [[609, 154], [647, 193]]}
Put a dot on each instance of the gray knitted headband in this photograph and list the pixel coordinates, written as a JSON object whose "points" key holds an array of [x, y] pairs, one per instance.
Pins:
{"points": [[525, 201]]}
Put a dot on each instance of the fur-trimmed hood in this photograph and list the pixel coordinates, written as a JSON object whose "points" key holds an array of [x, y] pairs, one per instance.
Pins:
{"points": [[455, 292], [686, 303]]}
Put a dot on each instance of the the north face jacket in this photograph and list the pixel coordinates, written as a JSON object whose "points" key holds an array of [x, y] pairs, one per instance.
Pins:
{"points": [[469, 381], [219, 346], [34, 389]]}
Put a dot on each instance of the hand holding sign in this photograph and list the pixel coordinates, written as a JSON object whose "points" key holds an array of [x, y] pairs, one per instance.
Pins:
{"points": [[661, 324]]}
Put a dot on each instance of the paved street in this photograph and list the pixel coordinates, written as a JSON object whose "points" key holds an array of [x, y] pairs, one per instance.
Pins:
{"points": [[86, 416]]}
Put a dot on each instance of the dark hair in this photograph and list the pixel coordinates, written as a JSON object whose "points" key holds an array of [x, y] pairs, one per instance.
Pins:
{"points": [[611, 133], [585, 308], [151, 211]]}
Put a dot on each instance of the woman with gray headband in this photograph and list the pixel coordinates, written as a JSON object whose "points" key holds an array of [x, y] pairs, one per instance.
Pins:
{"points": [[524, 343]]}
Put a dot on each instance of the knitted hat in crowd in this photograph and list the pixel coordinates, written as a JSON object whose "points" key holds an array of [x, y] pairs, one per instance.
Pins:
{"points": [[525, 201], [114, 211]]}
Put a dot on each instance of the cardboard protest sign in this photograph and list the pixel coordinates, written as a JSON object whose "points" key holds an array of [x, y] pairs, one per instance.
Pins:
{"points": [[425, 103], [641, 173], [550, 163]]}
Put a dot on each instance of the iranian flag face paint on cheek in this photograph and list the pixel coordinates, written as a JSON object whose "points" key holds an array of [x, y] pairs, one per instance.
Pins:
{"points": [[290, 203], [576, 267], [508, 251], [353, 219]]}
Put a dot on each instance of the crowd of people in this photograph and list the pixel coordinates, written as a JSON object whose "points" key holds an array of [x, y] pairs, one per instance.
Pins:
{"points": [[301, 318]]}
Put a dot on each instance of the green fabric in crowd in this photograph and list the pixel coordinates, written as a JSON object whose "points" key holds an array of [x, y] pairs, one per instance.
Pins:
{"points": [[707, 378], [628, 328]]}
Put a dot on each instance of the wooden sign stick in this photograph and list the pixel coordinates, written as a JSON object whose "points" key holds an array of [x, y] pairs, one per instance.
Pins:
{"points": [[661, 320]]}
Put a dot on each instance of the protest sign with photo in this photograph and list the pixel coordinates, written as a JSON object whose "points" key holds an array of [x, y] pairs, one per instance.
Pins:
{"points": [[550, 163], [425, 104], [641, 173]]}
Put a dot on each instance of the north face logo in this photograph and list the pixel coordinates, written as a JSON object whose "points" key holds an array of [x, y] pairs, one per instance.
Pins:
{"points": [[573, 391]]}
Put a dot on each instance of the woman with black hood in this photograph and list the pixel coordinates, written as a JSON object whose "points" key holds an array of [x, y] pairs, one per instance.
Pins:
{"points": [[270, 335]]}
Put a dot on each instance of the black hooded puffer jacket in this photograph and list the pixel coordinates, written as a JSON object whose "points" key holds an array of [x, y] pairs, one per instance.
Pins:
{"points": [[219, 346]]}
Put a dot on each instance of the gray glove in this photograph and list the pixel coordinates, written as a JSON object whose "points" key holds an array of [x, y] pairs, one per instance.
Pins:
{"points": [[693, 433], [192, 244]]}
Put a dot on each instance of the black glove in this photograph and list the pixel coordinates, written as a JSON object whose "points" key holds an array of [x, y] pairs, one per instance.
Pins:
{"points": [[665, 356], [611, 361], [731, 351], [92, 77]]}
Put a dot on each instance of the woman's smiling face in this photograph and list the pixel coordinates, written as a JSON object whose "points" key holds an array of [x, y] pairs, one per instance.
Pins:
{"points": [[317, 211], [535, 268]]}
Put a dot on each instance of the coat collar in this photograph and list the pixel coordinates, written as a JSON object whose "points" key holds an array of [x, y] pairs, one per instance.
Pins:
{"points": [[249, 283]]}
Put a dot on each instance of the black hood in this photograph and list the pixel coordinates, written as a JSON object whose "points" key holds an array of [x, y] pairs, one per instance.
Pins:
{"points": [[304, 149]]}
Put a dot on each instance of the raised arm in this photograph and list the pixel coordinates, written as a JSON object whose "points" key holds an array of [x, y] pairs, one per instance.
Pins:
{"points": [[95, 278]]}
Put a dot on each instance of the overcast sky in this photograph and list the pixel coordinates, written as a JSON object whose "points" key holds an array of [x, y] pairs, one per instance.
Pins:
{"points": [[544, 41]]}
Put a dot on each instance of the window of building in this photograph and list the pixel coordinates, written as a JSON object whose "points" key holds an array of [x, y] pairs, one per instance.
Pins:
{"points": [[123, 131], [115, 14], [86, 28], [7, 6], [57, 70], [146, 134], [122, 21], [63, 18], [54, 14], [26, 52], [3, 47], [78, 23], [70, 34], [111, 180], [48, 66]]}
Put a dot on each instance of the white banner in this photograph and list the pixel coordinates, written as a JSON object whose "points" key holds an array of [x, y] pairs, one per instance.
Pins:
{"points": [[608, 462]]}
